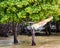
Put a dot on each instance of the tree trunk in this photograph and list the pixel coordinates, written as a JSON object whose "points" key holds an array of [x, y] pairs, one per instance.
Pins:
{"points": [[47, 28], [33, 37], [27, 17], [15, 34], [57, 26]]}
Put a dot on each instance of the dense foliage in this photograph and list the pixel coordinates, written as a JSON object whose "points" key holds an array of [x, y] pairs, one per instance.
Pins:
{"points": [[37, 10]]}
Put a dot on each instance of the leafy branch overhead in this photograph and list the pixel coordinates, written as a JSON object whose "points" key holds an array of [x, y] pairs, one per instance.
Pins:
{"points": [[38, 10]]}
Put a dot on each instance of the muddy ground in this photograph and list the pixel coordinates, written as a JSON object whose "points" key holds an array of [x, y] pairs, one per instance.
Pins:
{"points": [[52, 41]]}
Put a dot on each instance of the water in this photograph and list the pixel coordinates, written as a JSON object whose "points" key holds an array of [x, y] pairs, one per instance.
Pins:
{"points": [[6, 41]]}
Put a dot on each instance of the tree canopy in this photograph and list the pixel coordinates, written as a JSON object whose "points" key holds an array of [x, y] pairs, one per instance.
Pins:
{"points": [[37, 10]]}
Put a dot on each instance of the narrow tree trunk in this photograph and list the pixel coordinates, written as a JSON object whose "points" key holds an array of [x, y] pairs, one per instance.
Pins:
{"points": [[15, 38], [27, 17], [15, 34], [57, 26], [33, 37], [16, 28], [47, 28]]}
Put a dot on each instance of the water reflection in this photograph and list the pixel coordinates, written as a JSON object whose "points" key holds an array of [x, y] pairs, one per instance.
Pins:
{"points": [[6, 41]]}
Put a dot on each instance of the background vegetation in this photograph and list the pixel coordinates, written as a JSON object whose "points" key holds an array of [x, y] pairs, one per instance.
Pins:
{"points": [[31, 10]]}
